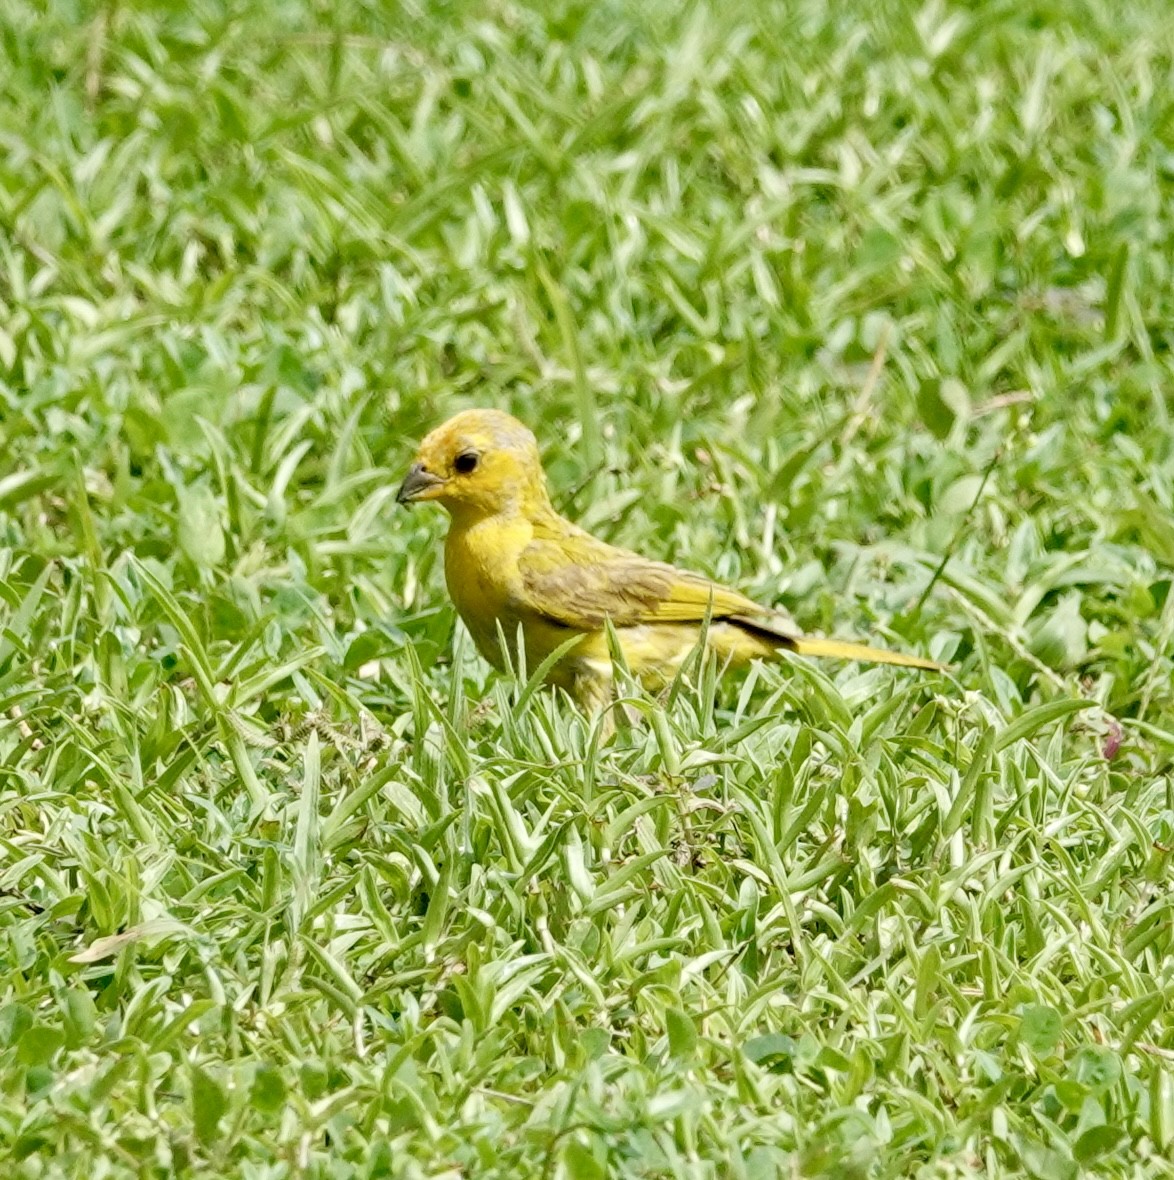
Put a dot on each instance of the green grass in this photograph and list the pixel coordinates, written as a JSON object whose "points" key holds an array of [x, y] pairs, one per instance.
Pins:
{"points": [[866, 308]]}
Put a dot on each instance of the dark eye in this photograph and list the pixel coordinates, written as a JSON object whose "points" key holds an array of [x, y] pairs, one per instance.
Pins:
{"points": [[465, 462]]}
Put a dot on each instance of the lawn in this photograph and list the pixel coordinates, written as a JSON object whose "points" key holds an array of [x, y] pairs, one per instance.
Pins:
{"points": [[866, 308]]}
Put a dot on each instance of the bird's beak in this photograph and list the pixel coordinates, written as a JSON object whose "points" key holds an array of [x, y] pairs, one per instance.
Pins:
{"points": [[417, 484]]}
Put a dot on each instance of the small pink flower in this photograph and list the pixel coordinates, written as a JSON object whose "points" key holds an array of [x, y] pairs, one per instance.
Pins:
{"points": [[1113, 740]]}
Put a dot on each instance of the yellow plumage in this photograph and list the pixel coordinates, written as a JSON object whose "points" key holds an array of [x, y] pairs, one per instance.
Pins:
{"points": [[511, 561]]}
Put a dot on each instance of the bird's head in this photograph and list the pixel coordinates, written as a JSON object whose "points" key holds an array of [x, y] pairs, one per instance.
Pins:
{"points": [[480, 463]]}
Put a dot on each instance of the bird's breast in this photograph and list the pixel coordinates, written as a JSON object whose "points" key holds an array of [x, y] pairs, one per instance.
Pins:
{"points": [[481, 570]]}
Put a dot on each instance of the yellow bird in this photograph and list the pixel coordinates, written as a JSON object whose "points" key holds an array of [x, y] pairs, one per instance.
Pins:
{"points": [[511, 561]]}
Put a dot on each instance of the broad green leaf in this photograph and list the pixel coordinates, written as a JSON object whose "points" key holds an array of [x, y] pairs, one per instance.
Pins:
{"points": [[1040, 1027], [201, 534], [942, 402], [209, 1104], [770, 1049], [267, 1092], [682, 1033], [1038, 718], [580, 1162]]}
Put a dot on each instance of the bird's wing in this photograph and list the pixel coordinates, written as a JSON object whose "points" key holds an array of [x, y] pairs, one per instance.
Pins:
{"points": [[576, 580]]}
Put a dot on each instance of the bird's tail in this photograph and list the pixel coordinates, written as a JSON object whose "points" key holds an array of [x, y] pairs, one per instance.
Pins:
{"points": [[841, 650]]}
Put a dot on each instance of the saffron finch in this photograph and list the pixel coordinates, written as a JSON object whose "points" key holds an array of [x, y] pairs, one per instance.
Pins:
{"points": [[511, 561]]}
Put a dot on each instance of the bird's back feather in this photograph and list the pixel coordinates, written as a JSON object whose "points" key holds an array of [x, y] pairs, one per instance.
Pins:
{"points": [[578, 581]]}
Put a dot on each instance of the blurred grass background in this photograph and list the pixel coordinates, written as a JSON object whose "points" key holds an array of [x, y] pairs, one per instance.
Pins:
{"points": [[867, 308]]}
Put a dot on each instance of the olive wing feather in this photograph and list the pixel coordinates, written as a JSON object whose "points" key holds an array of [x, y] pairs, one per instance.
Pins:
{"points": [[578, 581]]}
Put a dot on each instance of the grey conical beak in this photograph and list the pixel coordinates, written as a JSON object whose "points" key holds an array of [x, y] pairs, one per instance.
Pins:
{"points": [[416, 483]]}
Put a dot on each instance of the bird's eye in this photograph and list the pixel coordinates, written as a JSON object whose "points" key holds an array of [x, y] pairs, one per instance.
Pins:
{"points": [[465, 462]]}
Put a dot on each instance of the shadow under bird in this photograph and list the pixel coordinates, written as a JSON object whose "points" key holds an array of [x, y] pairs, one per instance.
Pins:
{"points": [[511, 561]]}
